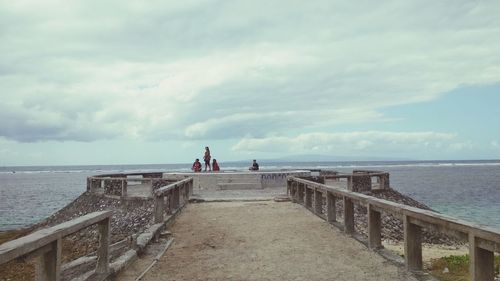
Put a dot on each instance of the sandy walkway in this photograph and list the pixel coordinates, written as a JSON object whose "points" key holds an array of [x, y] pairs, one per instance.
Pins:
{"points": [[264, 241]]}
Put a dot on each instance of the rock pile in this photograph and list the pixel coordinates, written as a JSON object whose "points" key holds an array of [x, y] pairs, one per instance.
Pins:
{"points": [[130, 217], [392, 227]]}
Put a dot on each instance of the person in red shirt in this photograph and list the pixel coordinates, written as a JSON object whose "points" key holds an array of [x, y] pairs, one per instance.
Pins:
{"points": [[196, 166], [215, 166]]}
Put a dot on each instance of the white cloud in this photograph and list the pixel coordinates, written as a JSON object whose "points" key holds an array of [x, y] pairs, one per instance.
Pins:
{"points": [[347, 143], [205, 69], [459, 146]]}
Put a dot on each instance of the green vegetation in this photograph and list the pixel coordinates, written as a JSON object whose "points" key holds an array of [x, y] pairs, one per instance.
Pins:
{"points": [[458, 267]]}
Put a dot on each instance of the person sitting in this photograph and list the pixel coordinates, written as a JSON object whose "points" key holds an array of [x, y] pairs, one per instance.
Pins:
{"points": [[196, 166], [255, 166], [215, 166]]}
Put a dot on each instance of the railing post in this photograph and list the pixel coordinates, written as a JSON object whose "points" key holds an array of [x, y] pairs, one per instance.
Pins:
{"points": [[331, 208], [49, 263], [151, 186], [159, 206], [349, 183], [413, 245], [185, 190], [300, 195], [191, 187], [177, 196], [171, 201], [482, 262], [308, 195], [374, 228], [318, 202], [293, 195], [124, 188], [103, 250], [181, 191], [348, 216]]}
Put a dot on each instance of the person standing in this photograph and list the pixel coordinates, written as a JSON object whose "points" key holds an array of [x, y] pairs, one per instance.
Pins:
{"points": [[206, 158], [215, 166]]}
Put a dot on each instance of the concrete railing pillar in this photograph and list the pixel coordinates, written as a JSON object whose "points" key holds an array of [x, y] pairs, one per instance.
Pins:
{"points": [[49, 263], [318, 202], [177, 198], [103, 250], [293, 192], [185, 191], [95, 184], [182, 196], [158, 208], [374, 228], [384, 182], [413, 245], [124, 188], [331, 208], [482, 262], [349, 183], [171, 202], [348, 216], [308, 199], [300, 193]]}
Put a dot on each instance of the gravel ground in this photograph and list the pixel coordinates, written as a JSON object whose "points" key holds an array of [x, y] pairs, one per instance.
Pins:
{"points": [[265, 241]]}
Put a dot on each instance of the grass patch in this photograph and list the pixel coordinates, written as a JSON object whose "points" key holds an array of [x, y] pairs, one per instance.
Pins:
{"points": [[458, 267]]}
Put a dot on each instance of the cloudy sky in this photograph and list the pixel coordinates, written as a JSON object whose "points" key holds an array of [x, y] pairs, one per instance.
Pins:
{"points": [[117, 82]]}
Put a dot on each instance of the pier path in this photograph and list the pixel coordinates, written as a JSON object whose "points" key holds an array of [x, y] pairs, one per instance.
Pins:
{"points": [[263, 241], [233, 230]]}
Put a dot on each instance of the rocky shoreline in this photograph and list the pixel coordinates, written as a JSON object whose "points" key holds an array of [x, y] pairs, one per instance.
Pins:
{"points": [[130, 217], [392, 227]]}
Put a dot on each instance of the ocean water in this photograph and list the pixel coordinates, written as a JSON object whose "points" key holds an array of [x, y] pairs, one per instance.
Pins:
{"points": [[468, 190]]}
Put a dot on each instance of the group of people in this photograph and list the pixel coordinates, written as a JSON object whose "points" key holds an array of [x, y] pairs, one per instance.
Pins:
{"points": [[215, 166], [206, 158]]}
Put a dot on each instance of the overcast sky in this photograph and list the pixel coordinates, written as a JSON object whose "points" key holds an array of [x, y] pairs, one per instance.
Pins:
{"points": [[120, 82]]}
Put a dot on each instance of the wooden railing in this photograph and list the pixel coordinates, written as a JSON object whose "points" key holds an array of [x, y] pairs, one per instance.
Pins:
{"points": [[483, 241], [122, 182], [177, 193], [361, 180], [46, 245]]}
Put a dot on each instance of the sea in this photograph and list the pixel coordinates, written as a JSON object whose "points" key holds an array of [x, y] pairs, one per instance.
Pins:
{"points": [[469, 190]]}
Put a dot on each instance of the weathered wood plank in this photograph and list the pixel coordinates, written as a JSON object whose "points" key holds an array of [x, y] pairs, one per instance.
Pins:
{"points": [[413, 245], [481, 264], [172, 186], [348, 215], [103, 250], [331, 208], [374, 228], [29, 243], [400, 210], [49, 263], [159, 208]]}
